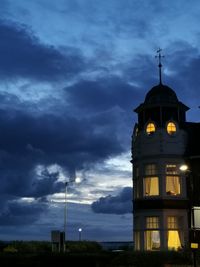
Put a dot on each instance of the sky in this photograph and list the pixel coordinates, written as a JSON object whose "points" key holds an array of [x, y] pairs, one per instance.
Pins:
{"points": [[71, 73]]}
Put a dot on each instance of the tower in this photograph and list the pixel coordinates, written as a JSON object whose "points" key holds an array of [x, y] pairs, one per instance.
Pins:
{"points": [[159, 143]]}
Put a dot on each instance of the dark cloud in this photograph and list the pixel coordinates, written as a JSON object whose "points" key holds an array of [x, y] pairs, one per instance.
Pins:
{"points": [[16, 213], [74, 139], [23, 55], [119, 204], [29, 140], [102, 94], [184, 69]]}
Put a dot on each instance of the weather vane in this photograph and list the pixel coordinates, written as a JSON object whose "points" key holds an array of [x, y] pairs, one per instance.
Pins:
{"points": [[159, 63]]}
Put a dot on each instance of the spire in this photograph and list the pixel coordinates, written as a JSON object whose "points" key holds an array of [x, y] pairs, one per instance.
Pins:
{"points": [[159, 63]]}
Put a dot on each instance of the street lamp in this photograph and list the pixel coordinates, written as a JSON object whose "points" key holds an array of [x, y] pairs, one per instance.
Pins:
{"points": [[77, 180], [79, 233]]}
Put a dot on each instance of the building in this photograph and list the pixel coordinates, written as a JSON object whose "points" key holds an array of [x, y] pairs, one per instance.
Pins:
{"points": [[162, 141]]}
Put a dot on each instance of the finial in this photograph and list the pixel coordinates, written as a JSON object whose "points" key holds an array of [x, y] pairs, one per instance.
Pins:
{"points": [[159, 63]]}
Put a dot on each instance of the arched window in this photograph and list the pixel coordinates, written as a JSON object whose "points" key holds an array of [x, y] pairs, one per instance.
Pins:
{"points": [[151, 128], [171, 128]]}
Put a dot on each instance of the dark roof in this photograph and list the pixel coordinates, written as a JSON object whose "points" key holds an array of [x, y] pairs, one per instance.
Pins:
{"points": [[161, 94]]}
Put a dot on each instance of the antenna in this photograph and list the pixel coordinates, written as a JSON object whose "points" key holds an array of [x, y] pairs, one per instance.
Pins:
{"points": [[159, 63]]}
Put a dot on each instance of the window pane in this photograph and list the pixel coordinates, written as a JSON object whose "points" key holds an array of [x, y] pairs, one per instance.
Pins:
{"points": [[152, 240], [172, 222], [150, 169], [171, 169], [152, 222], [171, 128], [174, 240], [173, 185], [150, 128], [151, 187]]}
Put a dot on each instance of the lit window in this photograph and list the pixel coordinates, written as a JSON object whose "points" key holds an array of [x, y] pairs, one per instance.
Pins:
{"points": [[171, 128], [150, 129], [173, 240], [151, 183], [172, 222], [152, 235], [171, 169], [150, 169], [173, 186], [174, 233], [152, 222], [151, 186]]}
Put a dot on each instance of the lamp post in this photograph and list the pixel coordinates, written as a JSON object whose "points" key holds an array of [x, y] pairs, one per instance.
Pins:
{"points": [[77, 180], [65, 216], [79, 233], [190, 192]]}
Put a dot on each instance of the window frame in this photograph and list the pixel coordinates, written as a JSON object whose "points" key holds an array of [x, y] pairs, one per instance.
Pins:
{"points": [[177, 183], [171, 133], [145, 194], [150, 172], [174, 227], [152, 229], [150, 124]]}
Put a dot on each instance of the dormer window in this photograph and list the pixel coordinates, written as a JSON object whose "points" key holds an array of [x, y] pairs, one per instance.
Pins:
{"points": [[171, 128], [150, 128]]}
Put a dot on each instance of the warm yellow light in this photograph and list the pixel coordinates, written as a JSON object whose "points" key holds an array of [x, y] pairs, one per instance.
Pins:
{"points": [[171, 128], [183, 167], [173, 240], [151, 186], [194, 245], [150, 128]]}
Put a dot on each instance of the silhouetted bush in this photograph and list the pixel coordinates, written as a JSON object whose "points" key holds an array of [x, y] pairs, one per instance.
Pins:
{"points": [[31, 246], [83, 246]]}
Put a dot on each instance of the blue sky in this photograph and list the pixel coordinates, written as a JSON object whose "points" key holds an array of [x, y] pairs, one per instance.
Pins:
{"points": [[71, 73]]}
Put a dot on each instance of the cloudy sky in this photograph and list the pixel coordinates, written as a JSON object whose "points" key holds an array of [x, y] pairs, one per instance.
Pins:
{"points": [[71, 73]]}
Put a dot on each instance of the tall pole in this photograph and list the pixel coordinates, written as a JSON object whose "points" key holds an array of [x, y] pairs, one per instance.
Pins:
{"points": [[80, 231], [65, 217]]}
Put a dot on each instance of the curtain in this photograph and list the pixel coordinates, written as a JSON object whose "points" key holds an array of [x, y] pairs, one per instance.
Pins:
{"points": [[152, 239], [174, 241], [151, 186], [173, 185]]}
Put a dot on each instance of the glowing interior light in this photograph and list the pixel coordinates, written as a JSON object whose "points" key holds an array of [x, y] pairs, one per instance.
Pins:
{"points": [[183, 167], [171, 128], [150, 129]]}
